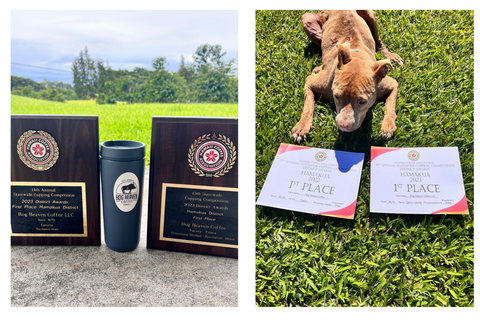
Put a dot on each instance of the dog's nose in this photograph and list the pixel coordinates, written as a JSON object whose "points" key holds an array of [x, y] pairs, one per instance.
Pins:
{"points": [[344, 125]]}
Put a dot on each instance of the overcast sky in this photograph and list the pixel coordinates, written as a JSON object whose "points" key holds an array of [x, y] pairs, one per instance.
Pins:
{"points": [[45, 43]]}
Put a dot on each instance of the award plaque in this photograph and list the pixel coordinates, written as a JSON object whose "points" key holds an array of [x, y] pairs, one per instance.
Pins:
{"points": [[193, 197], [55, 186]]}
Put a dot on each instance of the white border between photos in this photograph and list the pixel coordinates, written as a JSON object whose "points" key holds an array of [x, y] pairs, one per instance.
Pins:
{"points": [[246, 72]]}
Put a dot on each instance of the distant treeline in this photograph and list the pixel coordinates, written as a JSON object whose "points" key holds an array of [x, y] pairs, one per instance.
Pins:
{"points": [[46, 90], [207, 79]]}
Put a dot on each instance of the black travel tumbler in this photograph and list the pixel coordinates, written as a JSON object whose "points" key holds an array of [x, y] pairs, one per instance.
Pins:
{"points": [[122, 169]]}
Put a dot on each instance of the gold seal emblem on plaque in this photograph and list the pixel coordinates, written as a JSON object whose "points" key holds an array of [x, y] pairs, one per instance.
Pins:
{"points": [[38, 150], [212, 155]]}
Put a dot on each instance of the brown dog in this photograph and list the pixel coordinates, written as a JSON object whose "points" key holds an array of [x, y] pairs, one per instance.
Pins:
{"points": [[349, 74]]}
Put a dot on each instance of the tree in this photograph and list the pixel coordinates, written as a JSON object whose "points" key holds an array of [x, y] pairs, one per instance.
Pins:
{"points": [[19, 82], [104, 74], [28, 92], [59, 85], [101, 98], [215, 79], [140, 75], [186, 70], [164, 86], [207, 57], [159, 64], [84, 75]]}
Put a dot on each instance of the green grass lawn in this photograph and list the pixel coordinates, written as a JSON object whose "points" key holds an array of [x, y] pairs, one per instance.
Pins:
{"points": [[375, 259], [122, 121]]}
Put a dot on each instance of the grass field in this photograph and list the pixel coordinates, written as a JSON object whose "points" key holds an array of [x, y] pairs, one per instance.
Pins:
{"points": [[122, 121], [375, 259]]}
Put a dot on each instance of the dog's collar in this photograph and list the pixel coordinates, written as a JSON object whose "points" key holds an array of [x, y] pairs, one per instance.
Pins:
{"points": [[356, 50]]}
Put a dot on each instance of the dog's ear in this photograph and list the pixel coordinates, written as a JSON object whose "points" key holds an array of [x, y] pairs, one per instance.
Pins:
{"points": [[380, 68], [344, 55]]}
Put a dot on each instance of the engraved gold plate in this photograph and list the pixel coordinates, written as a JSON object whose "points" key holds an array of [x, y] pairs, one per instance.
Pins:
{"points": [[44, 208], [38, 150], [201, 218]]}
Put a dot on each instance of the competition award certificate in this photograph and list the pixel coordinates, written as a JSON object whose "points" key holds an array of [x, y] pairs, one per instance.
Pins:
{"points": [[312, 180], [417, 181]]}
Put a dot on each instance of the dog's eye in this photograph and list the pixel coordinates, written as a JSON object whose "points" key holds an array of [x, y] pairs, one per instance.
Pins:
{"points": [[362, 102], [336, 97]]}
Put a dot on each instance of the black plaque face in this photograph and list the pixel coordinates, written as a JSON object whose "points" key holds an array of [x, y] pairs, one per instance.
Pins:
{"points": [[55, 192], [41, 209], [199, 215], [193, 197]]}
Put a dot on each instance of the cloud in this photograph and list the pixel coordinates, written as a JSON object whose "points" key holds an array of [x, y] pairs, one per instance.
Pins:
{"points": [[127, 39]]}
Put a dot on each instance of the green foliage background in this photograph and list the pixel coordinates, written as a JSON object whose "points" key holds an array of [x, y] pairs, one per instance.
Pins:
{"points": [[376, 259], [45, 90], [208, 79]]}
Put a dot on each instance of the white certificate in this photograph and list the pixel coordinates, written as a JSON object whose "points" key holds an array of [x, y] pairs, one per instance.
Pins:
{"points": [[417, 181], [312, 180]]}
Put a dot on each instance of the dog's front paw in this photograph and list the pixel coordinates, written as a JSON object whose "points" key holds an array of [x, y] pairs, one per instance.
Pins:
{"points": [[300, 131], [388, 128], [395, 58]]}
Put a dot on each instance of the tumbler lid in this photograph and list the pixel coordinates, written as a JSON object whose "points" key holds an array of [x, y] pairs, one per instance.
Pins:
{"points": [[122, 150]]}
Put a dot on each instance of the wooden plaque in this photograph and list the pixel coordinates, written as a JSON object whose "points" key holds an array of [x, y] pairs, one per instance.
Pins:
{"points": [[55, 186], [193, 196]]}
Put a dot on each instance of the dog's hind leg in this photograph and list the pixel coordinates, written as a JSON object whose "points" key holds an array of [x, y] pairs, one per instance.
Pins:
{"points": [[371, 20], [390, 55], [312, 25]]}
